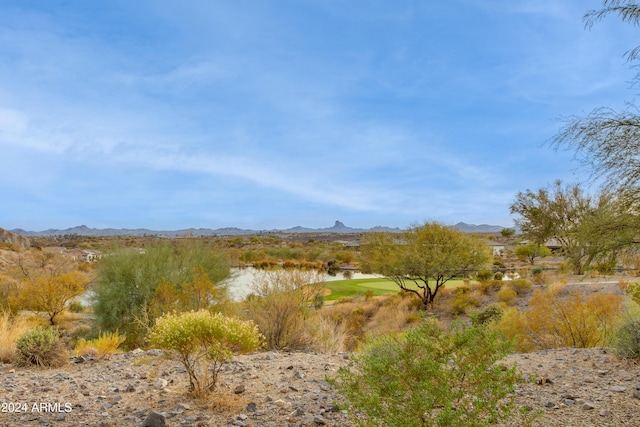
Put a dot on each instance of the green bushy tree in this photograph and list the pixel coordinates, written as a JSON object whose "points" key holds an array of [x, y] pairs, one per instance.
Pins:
{"points": [[424, 258], [127, 297], [531, 251]]}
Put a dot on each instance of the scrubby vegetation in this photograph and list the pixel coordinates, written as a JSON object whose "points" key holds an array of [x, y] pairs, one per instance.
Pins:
{"points": [[203, 342], [133, 288], [171, 294], [41, 347], [11, 328], [559, 317], [102, 347], [428, 376], [280, 306], [627, 339]]}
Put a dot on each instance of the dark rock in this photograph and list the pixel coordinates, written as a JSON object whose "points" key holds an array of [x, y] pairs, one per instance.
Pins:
{"points": [[319, 420], [155, 419]]}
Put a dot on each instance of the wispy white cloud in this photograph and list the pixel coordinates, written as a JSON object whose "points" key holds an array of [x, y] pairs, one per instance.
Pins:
{"points": [[398, 112]]}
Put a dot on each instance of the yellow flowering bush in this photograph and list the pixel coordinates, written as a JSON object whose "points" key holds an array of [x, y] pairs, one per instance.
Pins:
{"points": [[203, 342]]}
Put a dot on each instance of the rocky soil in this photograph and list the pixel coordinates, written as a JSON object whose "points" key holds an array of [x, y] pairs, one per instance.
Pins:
{"points": [[261, 389], [565, 387], [577, 387]]}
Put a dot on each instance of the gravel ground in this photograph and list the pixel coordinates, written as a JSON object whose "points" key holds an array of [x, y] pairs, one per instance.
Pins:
{"points": [[578, 387], [566, 387]]}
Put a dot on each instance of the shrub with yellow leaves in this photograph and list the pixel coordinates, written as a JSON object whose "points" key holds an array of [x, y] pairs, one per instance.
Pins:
{"points": [[558, 317]]}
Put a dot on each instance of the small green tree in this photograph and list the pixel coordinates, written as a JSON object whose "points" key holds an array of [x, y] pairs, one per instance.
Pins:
{"points": [[423, 258], [203, 342], [508, 232], [531, 251], [430, 377]]}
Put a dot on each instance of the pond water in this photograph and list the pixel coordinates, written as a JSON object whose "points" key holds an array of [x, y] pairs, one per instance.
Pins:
{"points": [[242, 279]]}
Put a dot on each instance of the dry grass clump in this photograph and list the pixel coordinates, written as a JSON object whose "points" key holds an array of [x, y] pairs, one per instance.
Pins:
{"points": [[331, 334], [352, 322], [226, 402], [103, 346], [559, 317], [11, 328], [280, 306]]}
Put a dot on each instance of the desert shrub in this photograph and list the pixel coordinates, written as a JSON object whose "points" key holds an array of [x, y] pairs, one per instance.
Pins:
{"points": [[520, 286], [104, 346], [627, 340], [392, 314], [431, 377], [8, 293], [633, 290], [463, 300], [318, 301], [498, 276], [561, 318], [203, 342], [540, 279], [565, 268], [535, 271], [281, 304], [354, 322], [369, 293], [491, 313], [606, 268], [490, 286], [506, 295], [484, 275], [76, 307], [42, 348], [11, 328]]}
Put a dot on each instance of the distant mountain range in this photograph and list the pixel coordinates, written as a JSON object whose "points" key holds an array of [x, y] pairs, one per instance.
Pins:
{"points": [[338, 227]]}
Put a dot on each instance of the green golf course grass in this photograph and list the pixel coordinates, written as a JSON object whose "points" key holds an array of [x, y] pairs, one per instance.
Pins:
{"points": [[379, 286]]}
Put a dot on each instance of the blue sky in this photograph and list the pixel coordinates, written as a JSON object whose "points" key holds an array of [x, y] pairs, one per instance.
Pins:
{"points": [[271, 114]]}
